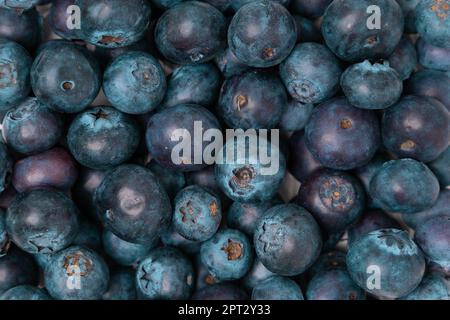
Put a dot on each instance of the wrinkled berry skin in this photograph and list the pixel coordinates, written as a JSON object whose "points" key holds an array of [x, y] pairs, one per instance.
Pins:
{"points": [[58, 17], [25, 292], [134, 83], [311, 73], [400, 261], [296, 116], [167, 122], [171, 238], [440, 207], [133, 204], [65, 76], [258, 273], [301, 161], [341, 136], [244, 215], [123, 252], [197, 213], [430, 83], [18, 268], [36, 227], [287, 239], [18, 4], [4, 238], [262, 34], [307, 30], [254, 99], [14, 74], [121, 286], [334, 198], [221, 291], [102, 137], [404, 58], [228, 64], [92, 269], [277, 288], [26, 30], [172, 181], [432, 287], [197, 84], [405, 186], [205, 37], [433, 57], [54, 168], [310, 8], [345, 30], [166, 274], [45, 125], [333, 284], [416, 127], [371, 86], [6, 169], [228, 255], [433, 22], [433, 236], [441, 168], [104, 23], [371, 220], [246, 179]]}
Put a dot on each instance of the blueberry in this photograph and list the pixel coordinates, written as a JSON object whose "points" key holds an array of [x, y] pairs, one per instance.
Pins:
{"points": [[301, 162], [32, 127], [121, 286], [228, 255], [433, 22], [307, 30], [228, 64], [88, 235], [237, 4], [409, 12], [171, 238], [54, 168], [134, 83], [244, 215], [433, 236], [26, 30], [371, 85], [341, 136], [262, 34], [203, 276], [371, 220], [36, 227], [296, 116], [106, 55], [416, 127], [287, 239], [333, 284], [245, 178], [310, 8], [403, 59], [277, 288], [405, 186], [254, 99], [102, 137], [76, 273], [197, 84], [133, 203], [104, 23], [441, 168], [172, 181], [18, 4], [58, 18], [165, 4], [334, 198], [386, 263], [440, 207], [165, 274], [123, 252], [199, 42], [346, 32], [258, 273], [18, 268], [167, 122], [432, 287], [25, 292], [197, 213], [329, 261], [14, 74], [433, 57], [6, 169], [222, 291], [4, 238], [430, 83]]}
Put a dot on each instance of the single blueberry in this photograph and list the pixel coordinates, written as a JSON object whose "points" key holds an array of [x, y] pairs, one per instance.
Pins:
{"points": [[430, 83], [433, 57], [18, 4], [26, 28], [237, 4], [165, 4], [433, 22], [331, 260], [310, 8], [301, 161], [18, 268], [441, 168], [25, 292], [121, 286], [277, 288], [432, 287], [404, 58], [228, 64], [257, 274]]}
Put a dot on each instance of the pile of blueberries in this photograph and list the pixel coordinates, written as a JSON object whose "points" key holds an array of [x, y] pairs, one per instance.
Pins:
{"points": [[93, 206]]}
